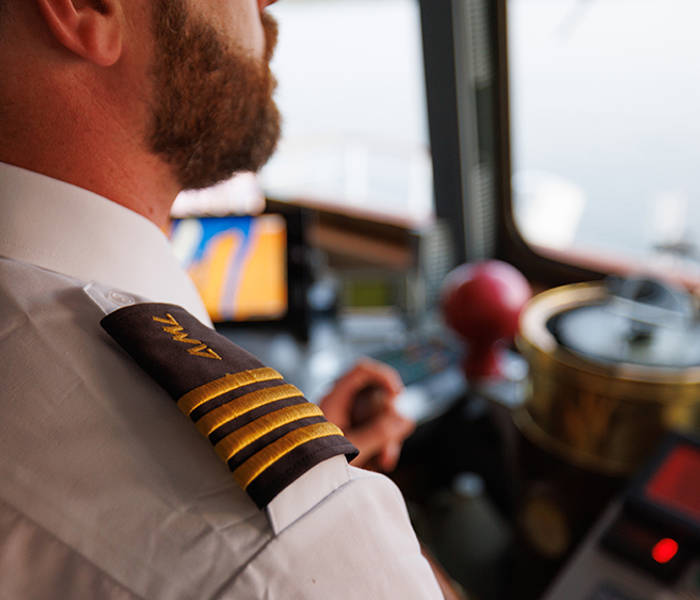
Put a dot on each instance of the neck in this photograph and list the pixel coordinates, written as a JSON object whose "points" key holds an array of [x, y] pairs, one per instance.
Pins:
{"points": [[132, 178], [74, 131], [134, 186]]}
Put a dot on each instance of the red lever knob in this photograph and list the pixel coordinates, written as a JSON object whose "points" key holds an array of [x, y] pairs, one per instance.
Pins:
{"points": [[482, 302]]}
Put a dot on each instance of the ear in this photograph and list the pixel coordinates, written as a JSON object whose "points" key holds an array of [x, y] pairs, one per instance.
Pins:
{"points": [[91, 29]]}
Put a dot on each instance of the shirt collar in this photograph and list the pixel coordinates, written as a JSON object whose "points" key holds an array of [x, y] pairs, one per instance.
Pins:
{"points": [[64, 228]]}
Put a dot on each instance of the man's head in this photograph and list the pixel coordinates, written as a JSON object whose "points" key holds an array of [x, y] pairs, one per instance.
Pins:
{"points": [[136, 100], [212, 111]]}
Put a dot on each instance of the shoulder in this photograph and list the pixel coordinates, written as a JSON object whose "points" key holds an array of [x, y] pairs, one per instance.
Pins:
{"points": [[357, 542], [94, 453]]}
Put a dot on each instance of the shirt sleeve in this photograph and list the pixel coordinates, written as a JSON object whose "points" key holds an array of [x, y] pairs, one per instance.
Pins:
{"points": [[355, 543]]}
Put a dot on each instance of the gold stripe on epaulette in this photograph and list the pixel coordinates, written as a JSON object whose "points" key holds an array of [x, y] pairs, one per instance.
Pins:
{"points": [[234, 409], [256, 464], [228, 383], [235, 441]]}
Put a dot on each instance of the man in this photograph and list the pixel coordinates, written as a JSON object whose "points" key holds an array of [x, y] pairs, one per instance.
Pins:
{"points": [[108, 108]]}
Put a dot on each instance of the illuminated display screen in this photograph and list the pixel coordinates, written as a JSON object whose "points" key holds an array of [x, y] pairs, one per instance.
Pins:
{"points": [[676, 484], [238, 264]]}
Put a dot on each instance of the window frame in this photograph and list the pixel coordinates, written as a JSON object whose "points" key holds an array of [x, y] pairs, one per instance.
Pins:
{"points": [[452, 166], [544, 265]]}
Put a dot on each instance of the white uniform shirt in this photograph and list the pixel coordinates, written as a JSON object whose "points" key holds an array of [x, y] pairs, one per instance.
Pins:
{"points": [[106, 491], [64, 228]]}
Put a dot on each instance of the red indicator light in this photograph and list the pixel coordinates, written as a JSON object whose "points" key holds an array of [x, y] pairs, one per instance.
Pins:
{"points": [[664, 550]]}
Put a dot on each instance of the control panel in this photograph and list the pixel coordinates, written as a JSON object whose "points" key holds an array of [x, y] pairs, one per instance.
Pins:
{"points": [[647, 544]]}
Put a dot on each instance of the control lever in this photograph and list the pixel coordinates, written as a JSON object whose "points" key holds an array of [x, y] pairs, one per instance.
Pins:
{"points": [[367, 405]]}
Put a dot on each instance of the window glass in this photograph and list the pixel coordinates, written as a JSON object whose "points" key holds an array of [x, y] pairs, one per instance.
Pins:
{"points": [[351, 92], [605, 109]]}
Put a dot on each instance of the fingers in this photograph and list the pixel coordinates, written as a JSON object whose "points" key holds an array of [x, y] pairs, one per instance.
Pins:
{"points": [[338, 402], [367, 372], [389, 457], [381, 438]]}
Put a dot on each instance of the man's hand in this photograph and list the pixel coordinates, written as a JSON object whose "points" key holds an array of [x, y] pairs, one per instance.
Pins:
{"points": [[381, 436]]}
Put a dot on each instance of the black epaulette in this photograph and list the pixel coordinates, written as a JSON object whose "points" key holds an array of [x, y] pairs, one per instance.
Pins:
{"points": [[261, 426]]}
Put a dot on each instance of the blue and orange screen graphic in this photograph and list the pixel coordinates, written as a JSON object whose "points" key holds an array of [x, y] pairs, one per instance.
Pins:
{"points": [[239, 264]]}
